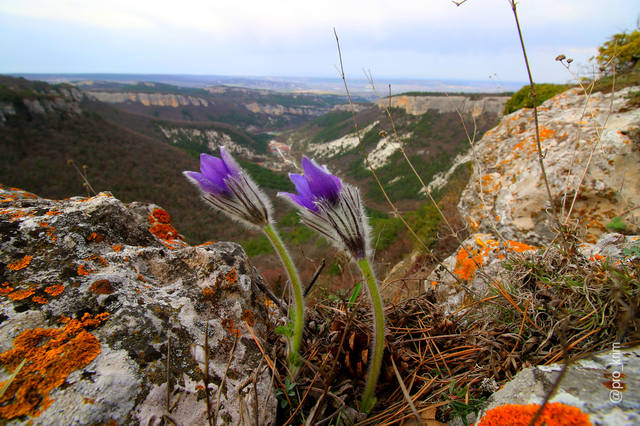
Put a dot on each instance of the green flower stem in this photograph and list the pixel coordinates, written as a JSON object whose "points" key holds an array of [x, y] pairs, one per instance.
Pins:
{"points": [[368, 398], [294, 349]]}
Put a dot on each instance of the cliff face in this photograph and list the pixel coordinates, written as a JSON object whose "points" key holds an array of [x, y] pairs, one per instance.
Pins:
{"points": [[149, 99], [418, 105], [591, 152], [590, 146], [51, 101], [278, 110], [175, 101]]}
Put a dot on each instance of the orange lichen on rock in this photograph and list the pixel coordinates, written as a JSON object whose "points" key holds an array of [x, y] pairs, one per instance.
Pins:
{"points": [[101, 287], [84, 271], [519, 247], [161, 226], [5, 288], [54, 290], [232, 276], [228, 325], [466, 264], [553, 414], [117, 247], [22, 294], [546, 133], [39, 299], [248, 317], [164, 231], [95, 237], [207, 292], [51, 354], [160, 215], [207, 243], [20, 264]]}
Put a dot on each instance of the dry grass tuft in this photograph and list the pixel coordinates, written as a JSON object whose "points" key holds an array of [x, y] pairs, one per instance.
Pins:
{"points": [[451, 364]]}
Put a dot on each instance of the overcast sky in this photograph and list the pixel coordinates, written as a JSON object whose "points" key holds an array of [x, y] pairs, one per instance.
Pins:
{"points": [[430, 39]]}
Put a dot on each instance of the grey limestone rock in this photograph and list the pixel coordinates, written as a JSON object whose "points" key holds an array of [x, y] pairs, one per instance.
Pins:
{"points": [[107, 290], [605, 386]]}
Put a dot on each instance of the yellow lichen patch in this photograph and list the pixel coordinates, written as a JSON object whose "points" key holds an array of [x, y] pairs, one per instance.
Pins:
{"points": [[54, 290], [20, 264], [22, 294], [51, 355]]}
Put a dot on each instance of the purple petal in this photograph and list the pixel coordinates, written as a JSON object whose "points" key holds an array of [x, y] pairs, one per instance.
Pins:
{"points": [[307, 203], [205, 184], [302, 185], [322, 184], [232, 167], [213, 168]]}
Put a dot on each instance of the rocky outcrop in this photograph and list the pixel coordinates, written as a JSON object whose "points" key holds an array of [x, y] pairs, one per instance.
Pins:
{"points": [[418, 105], [149, 99], [478, 264], [109, 307], [506, 204], [278, 110], [591, 151], [603, 386], [54, 101]]}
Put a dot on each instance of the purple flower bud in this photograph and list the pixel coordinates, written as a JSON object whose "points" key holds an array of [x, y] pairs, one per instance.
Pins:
{"points": [[226, 187], [331, 208]]}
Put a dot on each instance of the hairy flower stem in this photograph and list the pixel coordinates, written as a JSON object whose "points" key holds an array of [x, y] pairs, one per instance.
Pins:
{"points": [[368, 398], [298, 316]]}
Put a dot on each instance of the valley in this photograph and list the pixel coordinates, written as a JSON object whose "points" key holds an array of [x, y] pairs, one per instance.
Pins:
{"points": [[135, 138]]}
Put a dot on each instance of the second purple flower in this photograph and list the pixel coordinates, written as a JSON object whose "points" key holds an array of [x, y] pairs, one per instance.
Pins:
{"points": [[332, 208]]}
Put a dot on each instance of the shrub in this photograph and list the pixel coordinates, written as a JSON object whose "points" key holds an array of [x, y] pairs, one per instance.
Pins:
{"points": [[621, 51], [522, 98]]}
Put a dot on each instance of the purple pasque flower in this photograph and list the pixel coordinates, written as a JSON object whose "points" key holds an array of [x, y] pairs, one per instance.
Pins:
{"points": [[332, 208], [227, 187]]}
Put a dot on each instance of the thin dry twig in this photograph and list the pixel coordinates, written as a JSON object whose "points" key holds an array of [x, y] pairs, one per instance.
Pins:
{"points": [[206, 372], [512, 3], [224, 379], [406, 393]]}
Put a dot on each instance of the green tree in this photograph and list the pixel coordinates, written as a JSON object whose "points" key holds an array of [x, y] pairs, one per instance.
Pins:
{"points": [[621, 51]]}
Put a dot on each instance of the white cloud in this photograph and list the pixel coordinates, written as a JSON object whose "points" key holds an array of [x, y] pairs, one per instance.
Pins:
{"points": [[88, 13], [375, 34]]}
